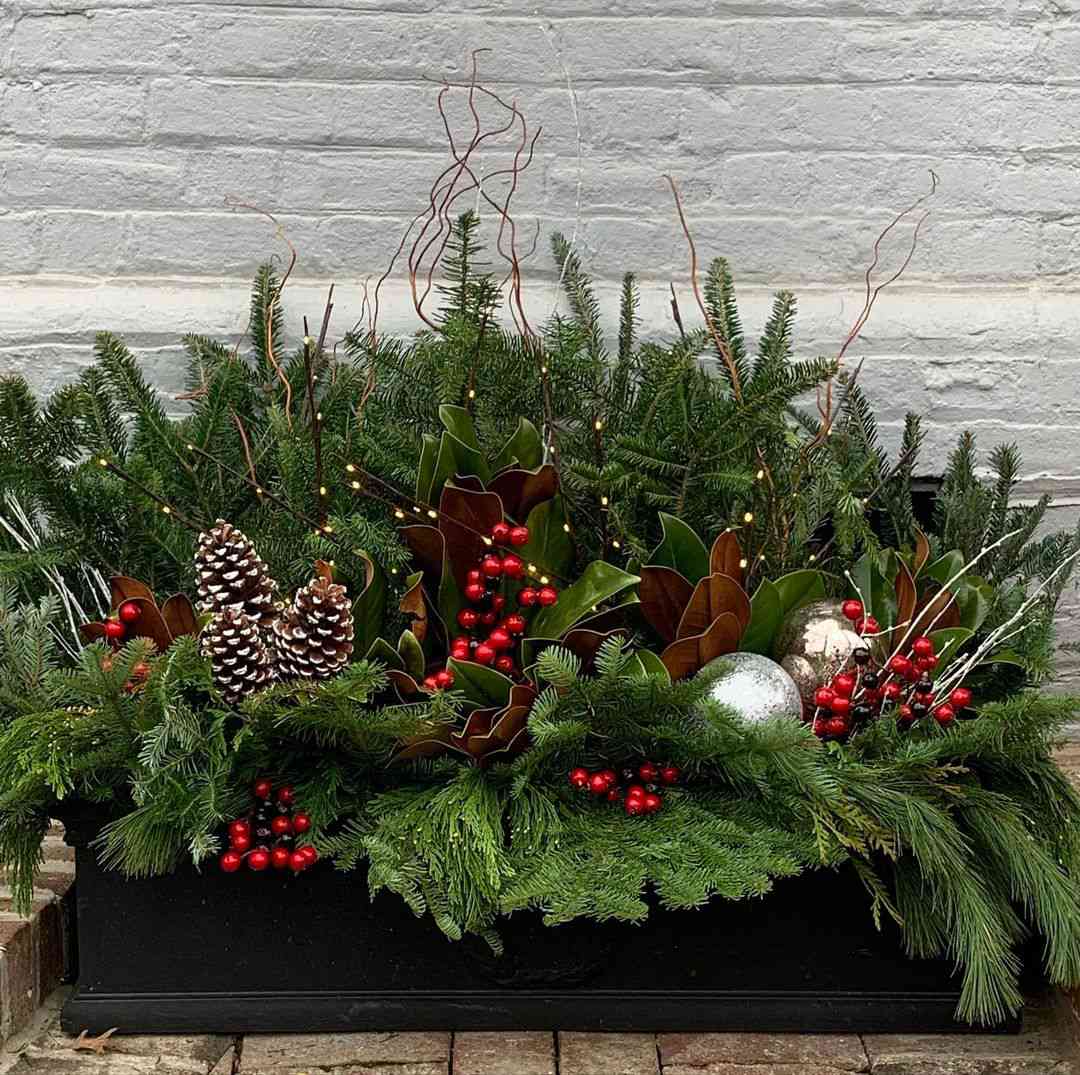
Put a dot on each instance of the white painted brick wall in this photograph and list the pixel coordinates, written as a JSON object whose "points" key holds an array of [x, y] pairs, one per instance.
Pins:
{"points": [[796, 128]]}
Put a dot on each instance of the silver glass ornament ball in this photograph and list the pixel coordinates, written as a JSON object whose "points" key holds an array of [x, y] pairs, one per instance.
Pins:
{"points": [[756, 687]]}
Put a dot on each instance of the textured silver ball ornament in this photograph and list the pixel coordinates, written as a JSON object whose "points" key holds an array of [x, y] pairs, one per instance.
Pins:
{"points": [[814, 643], [755, 687]]}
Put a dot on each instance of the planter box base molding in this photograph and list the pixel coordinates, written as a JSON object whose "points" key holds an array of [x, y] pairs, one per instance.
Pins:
{"points": [[248, 953]]}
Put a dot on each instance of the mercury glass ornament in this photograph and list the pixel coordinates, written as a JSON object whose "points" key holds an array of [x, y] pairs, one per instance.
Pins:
{"points": [[756, 687], [813, 644]]}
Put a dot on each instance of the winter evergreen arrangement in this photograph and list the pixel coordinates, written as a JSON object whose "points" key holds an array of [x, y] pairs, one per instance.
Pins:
{"points": [[528, 621]]}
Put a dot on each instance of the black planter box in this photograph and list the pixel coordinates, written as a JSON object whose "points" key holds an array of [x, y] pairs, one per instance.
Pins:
{"points": [[240, 953]]}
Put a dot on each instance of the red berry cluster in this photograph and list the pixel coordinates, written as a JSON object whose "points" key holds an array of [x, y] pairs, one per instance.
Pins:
{"points": [[487, 615], [267, 836], [862, 690], [865, 625], [116, 627], [637, 789]]}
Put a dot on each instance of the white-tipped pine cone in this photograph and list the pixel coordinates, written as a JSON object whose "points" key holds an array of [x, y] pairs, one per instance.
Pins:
{"points": [[313, 638], [240, 657], [232, 575]]}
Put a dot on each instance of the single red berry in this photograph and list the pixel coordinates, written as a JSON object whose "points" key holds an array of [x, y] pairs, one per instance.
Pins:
{"points": [[906, 712], [867, 626], [836, 726], [240, 827], [488, 619], [945, 714], [500, 639], [527, 597], [900, 665], [281, 825], [515, 624], [498, 602], [513, 566], [925, 698], [492, 566], [635, 791], [579, 778], [475, 592], [263, 789], [634, 805], [500, 533], [598, 785], [258, 860], [484, 654], [231, 861], [611, 778], [279, 858], [468, 618], [240, 841], [892, 690], [298, 861], [923, 647], [843, 685], [926, 664], [823, 697], [652, 802], [444, 680], [670, 774], [912, 675], [460, 653], [519, 536], [615, 795], [504, 663], [547, 595], [474, 575], [841, 707], [301, 822], [311, 856], [960, 698], [286, 795], [852, 609], [430, 684], [460, 642], [821, 728], [129, 611], [114, 630], [649, 772]]}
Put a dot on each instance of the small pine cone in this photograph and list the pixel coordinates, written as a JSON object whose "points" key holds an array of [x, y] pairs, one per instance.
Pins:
{"points": [[314, 636], [232, 575], [240, 658]]}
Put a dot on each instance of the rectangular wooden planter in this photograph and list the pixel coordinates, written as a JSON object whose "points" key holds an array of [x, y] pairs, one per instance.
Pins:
{"points": [[210, 952]]}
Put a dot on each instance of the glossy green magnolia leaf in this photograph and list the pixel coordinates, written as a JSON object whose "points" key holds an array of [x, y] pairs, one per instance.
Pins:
{"points": [[369, 609], [766, 615], [524, 448], [651, 665], [450, 600], [381, 650], [799, 588], [455, 457], [974, 597], [425, 471], [681, 550], [480, 684], [945, 568], [412, 654], [599, 581], [878, 596], [1005, 656], [947, 644], [458, 421]]}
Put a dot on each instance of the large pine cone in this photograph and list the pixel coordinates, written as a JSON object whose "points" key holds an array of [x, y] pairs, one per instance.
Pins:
{"points": [[314, 636], [232, 574], [240, 658]]}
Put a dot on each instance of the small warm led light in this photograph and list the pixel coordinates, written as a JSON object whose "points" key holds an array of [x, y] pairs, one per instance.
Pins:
{"points": [[327, 529], [742, 562], [487, 540], [604, 501], [543, 370], [258, 490], [354, 483], [813, 557], [532, 569], [566, 527], [616, 544], [166, 509], [322, 490], [103, 462], [308, 341], [598, 425], [748, 517], [191, 447], [432, 513], [318, 416], [472, 393], [762, 556], [393, 571], [416, 509], [544, 580], [350, 468], [399, 514], [760, 475]]}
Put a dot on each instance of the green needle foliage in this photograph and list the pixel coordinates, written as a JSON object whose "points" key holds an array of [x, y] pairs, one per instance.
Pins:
{"points": [[966, 836]]}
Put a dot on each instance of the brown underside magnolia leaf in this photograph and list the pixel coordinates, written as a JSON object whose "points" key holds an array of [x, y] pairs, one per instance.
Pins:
{"points": [[907, 598], [179, 616], [664, 596], [521, 490], [414, 606], [713, 596], [465, 518], [941, 603], [427, 546], [149, 624], [725, 557], [688, 656], [124, 588], [585, 644], [922, 552]]}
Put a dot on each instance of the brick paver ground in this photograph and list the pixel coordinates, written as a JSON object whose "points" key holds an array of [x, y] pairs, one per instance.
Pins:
{"points": [[1043, 1049]]}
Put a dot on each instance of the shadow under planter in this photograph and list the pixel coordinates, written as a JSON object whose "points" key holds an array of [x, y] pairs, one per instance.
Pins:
{"points": [[237, 953]]}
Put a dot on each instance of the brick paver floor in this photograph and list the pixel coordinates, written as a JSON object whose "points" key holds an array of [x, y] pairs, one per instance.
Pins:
{"points": [[1043, 1048]]}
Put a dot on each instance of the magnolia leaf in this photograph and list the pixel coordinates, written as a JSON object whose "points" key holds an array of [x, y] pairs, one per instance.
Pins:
{"points": [[586, 644], [149, 623], [945, 569], [458, 421], [381, 650], [1005, 656], [873, 589], [369, 609], [549, 545], [480, 684], [907, 598], [651, 664], [414, 606], [937, 610], [947, 643], [799, 588], [922, 552], [124, 588], [766, 615], [412, 654], [465, 519], [428, 547], [974, 597], [726, 558], [664, 597], [425, 471], [714, 595], [688, 656], [599, 582], [522, 490], [179, 616], [681, 549], [524, 449]]}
